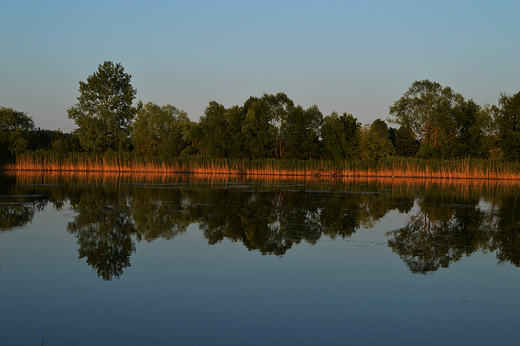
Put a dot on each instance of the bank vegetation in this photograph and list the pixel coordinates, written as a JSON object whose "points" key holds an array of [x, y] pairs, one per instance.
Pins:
{"points": [[437, 134]]}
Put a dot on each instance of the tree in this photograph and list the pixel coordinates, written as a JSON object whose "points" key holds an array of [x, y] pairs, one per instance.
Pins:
{"points": [[104, 111], [470, 122], [405, 143], [429, 110], [211, 134], [341, 136], [235, 117], [508, 120], [257, 128], [14, 130], [375, 141], [302, 131], [280, 107], [159, 131]]}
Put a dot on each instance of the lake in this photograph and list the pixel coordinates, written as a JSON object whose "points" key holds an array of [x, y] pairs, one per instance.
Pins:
{"points": [[92, 259]]}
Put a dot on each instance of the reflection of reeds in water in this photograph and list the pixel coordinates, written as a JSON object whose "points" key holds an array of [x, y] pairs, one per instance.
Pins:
{"points": [[308, 182], [391, 167]]}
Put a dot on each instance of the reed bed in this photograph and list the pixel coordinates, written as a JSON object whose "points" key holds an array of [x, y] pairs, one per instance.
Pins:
{"points": [[128, 162]]}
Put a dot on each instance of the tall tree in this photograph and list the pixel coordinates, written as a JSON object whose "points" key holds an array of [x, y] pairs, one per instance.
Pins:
{"points": [[104, 111], [303, 131], [509, 125], [280, 107], [429, 110], [212, 133], [235, 117], [340, 136], [257, 128], [470, 122]]}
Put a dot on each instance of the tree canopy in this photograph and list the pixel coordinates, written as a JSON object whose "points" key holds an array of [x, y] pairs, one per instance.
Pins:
{"points": [[14, 128], [509, 125], [375, 141], [104, 111], [341, 135], [160, 131], [429, 110]]}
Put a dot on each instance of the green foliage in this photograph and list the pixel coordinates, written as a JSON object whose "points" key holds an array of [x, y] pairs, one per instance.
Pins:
{"points": [[302, 132], [104, 111], [375, 141], [430, 111], [14, 132], [212, 133], [341, 136], [256, 128], [160, 131], [235, 117], [508, 120], [405, 143], [470, 120], [280, 107], [264, 127], [49, 140]]}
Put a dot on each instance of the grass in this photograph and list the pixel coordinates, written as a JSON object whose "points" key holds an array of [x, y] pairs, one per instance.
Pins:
{"points": [[128, 162]]}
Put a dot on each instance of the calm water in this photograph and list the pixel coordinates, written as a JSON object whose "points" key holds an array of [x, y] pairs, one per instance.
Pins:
{"points": [[134, 260]]}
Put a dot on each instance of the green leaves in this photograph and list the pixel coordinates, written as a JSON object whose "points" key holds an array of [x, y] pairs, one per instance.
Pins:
{"points": [[508, 120], [14, 131], [341, 136], [375, 141], [430, 111], [104, 111], [405, 143], [303, 130], [160, 131]]}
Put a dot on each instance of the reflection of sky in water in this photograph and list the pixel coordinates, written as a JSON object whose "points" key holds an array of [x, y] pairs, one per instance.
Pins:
{"points": [[184, 291]]}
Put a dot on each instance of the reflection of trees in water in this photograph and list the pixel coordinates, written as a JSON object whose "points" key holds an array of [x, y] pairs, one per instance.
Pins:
{"points": [[440, 234], [158, 219], [108, 217], [340, 216], [246, 217], [159, 215], [17, 211], [443, 230], [272, 222], [103, 228], [506, 235], [448, 226]]}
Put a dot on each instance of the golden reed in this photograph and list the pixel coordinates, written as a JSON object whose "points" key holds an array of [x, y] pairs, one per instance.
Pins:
{"points": [[389, 168]]}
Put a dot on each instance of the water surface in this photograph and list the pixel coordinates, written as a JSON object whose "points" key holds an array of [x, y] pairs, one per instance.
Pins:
{"points": [[189, 260]]}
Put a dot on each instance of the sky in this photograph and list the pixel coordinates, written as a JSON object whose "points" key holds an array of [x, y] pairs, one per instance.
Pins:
{"points": [[357, 57]]}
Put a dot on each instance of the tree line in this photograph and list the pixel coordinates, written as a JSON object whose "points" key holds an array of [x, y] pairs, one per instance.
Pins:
{"points": [[433, 122]]}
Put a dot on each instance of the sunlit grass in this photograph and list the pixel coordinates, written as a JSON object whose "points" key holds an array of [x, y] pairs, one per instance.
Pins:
{"points": [[128, 162]]}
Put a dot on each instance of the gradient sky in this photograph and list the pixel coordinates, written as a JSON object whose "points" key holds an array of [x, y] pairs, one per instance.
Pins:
{"points": [[357, 57]]}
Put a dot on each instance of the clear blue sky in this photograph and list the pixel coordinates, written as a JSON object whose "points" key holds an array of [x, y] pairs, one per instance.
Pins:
{"points": [[349, 56]]}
